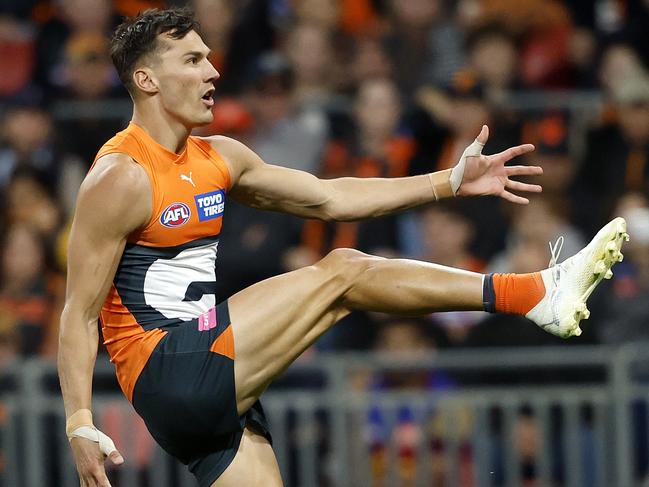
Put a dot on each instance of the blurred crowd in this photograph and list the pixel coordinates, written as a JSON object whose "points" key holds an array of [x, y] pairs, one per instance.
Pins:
{"points": [[360, 88]]}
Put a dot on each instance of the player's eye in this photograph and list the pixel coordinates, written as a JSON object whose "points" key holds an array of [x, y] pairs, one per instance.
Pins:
{"points": [[193, 60]]}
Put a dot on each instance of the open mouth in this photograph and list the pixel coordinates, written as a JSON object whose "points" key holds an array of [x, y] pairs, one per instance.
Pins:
{"points": [[208, 97]]}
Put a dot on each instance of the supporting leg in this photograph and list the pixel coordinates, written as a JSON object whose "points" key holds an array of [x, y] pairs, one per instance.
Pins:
{"points": [[254, 465]]}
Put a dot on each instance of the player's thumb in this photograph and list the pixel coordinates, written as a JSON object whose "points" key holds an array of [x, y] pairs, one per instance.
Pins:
{"points": [[116, 457], [483, 135]]}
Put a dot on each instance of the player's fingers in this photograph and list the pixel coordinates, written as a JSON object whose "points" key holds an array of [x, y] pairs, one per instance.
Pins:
{"points": [[514, 198], [116, 458], [518, 186], [89, 480], [483, 136], [512, 152], [102, 480], [523, 170]]}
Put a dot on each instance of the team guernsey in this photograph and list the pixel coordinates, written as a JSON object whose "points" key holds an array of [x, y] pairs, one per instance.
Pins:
{"points": [[166, 278], [171, 342]]}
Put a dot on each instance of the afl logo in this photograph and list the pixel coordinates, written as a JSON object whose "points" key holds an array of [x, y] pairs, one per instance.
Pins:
{"points": [[175, 215]]}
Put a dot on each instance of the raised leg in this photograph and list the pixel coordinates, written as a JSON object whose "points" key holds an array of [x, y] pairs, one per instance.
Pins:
{"points": [[275, 320]]}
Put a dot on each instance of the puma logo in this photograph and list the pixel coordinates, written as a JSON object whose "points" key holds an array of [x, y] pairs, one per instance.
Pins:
{"points": [[188, 178]]}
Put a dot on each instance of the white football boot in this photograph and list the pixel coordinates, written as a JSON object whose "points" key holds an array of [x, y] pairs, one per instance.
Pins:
{"points": [[569, 284]]}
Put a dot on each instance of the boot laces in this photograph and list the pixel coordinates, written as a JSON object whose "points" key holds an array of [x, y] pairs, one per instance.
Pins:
{"points": [[555, 251]]}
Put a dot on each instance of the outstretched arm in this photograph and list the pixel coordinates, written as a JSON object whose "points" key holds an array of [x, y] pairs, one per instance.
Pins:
{"points": [[113, 201], [277, 188]]}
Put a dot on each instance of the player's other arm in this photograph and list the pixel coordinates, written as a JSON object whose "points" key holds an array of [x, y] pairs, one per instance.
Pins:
{"points": [[113, 201], [277, 188]]}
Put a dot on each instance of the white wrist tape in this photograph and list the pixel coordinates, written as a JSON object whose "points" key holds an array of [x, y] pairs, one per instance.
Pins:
{"points": [[457, 174], [91, 433]]}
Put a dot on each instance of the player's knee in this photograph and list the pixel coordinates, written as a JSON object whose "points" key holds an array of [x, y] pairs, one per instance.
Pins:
{"points": [[348, 263], [342, 258]]}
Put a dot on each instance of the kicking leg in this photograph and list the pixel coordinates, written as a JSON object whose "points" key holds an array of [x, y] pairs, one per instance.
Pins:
{"points": [[275, 320]]}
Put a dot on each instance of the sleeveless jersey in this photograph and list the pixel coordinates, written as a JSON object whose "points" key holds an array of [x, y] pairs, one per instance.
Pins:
{"points": [[167, 274]]}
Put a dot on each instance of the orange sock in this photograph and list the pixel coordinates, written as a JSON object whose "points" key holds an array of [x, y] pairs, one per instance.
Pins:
{"points": [[517, 293]]}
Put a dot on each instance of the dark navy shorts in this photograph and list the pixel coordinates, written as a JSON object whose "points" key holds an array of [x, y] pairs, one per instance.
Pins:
{"points": [[186, 396]]}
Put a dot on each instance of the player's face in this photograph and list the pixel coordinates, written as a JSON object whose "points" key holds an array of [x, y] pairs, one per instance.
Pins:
{"points": [[185, 79]]}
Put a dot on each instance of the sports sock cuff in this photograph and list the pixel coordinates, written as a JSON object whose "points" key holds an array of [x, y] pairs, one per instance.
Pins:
{"points": [[488, 293], [517, 293]]}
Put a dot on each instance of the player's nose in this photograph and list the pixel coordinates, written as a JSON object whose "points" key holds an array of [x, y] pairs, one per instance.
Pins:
{"points": [[212, 74]]}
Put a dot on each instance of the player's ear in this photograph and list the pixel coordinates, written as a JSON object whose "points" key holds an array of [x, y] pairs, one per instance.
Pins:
{"points": [[144, 79]]}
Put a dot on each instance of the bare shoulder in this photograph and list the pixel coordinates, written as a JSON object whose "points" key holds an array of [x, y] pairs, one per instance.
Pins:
{"points": [[117, 189], [238, 156]]}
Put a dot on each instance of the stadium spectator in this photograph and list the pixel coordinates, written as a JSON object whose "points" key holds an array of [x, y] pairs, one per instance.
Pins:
{"points": [[283, 134], [325, 14], [619, 62], [68, 17], [532, 228], [28, 202], [448, 118], [368, 60], [409, 427], [625, 316], [617, 156], [494, 59], [27, 143], [217, 24], [27, 293], [447, 236], [330, 106], [410, 23], [377, 146], [310, 51], [17, 59], [548, 131], [90, 87], [447, 233]]}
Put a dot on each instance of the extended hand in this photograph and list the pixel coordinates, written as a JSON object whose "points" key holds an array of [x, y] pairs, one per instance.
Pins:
{"points": [[89, 456], [488, 175]]}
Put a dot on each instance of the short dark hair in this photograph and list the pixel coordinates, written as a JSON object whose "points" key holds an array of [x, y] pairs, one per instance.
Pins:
{"points": [[137, 36]]}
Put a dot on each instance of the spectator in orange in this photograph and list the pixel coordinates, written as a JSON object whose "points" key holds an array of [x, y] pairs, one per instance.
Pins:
{"points": [[378, 146], [548, 131], [69, 17], [27, 293]]}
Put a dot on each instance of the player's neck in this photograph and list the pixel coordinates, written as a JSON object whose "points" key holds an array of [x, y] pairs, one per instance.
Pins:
{"points": [[167, 133]]}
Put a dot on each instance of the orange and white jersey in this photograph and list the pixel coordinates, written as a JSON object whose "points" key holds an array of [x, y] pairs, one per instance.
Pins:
{"points": [[167, 273]]}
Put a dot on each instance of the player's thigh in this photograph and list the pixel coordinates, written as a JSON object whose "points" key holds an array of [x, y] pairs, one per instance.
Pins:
{"points": [[275, 320], [254, 465]]}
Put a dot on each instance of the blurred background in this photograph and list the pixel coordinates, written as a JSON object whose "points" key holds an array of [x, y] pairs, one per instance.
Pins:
{"points": [[362, 88]]}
